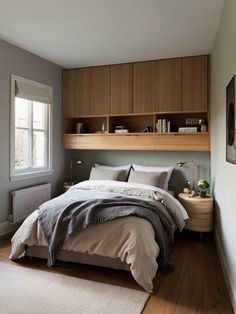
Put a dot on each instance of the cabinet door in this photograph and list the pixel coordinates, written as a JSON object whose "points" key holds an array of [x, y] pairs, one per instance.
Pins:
{"points": [[168, 85], [121, 88], [100, 90], [82, 92], [68, 94], [194, 84], [144, 87]]}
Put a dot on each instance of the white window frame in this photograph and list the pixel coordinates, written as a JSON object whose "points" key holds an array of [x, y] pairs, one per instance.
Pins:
{"points": [[31, 172]]}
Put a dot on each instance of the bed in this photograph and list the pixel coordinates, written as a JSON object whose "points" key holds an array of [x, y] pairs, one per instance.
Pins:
{"points": [[128, 242]]}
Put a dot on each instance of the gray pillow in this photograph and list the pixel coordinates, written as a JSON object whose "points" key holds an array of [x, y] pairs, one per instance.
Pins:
{"points": [[107, 174], [124, 167], [156, 179]]}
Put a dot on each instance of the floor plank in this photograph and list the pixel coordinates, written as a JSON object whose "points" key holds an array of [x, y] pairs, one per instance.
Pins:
{"points": [[215, 294], [196, 286]]}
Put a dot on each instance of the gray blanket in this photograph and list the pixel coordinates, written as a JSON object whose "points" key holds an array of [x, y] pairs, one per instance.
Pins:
{"points": [[61, 218]]}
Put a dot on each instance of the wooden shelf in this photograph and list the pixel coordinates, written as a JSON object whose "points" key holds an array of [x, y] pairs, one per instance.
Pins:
{"points": [[137, 96], [139, 141]]}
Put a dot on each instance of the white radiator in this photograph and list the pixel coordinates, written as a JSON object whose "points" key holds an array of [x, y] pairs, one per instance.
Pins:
{"points": [[25, 201]]}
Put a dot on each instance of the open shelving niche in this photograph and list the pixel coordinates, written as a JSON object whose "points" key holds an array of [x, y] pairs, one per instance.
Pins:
{"points": [[136, 139]]}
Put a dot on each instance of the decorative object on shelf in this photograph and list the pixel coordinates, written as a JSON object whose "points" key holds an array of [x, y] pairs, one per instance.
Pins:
{"points": [[81, 128], [203, 126], [147, 129], [203, 185], [191, 122], [72, 162], [230, 122], [194, 125], [187, 187], [181, 164], [103, 129]]}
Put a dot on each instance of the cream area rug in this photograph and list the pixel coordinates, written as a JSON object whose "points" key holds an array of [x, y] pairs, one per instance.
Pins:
{"points": [[25, 290]]}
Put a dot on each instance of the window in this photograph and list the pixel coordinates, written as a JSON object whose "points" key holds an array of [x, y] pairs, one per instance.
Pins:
{"points": [[31, 125]]}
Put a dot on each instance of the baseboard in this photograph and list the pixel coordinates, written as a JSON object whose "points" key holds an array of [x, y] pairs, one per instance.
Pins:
{"points": [[7, 227], [225, 268]]}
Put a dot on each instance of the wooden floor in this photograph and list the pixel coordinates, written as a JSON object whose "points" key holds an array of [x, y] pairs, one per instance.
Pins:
{"points": [[196, 286]]}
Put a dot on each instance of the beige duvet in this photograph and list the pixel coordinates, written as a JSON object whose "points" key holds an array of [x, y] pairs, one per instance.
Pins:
{"points": [[131, 239]]}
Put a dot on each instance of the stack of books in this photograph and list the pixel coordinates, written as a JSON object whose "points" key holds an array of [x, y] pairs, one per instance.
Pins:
{"points": [[121, 129], [163, 126], [188, 129]]}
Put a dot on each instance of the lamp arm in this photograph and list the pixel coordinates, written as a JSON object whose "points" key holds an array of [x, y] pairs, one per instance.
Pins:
{"points": [[194, 173], [71, 171]]}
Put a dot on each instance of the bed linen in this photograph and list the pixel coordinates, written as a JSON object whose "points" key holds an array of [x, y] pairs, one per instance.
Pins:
{"points": [[131, 239]]}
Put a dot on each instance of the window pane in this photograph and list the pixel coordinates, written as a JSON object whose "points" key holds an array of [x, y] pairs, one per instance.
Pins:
{"points": [[21, 148], [22, 112], [39, 154], [39, 114]]}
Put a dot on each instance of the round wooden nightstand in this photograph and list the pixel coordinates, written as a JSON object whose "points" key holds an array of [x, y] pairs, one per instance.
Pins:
{"points": [[200, 211], [66, 187]]}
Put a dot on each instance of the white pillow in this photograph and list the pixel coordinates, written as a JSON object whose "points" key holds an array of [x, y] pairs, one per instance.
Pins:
{"points": [[126, 169], [155, 169]]}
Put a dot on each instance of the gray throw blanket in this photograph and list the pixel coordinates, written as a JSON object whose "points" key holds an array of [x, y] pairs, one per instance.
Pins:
{"points": [[61, 218]]}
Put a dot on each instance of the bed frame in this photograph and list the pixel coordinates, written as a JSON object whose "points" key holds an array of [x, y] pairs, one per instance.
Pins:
{"points": [[75, 257]]}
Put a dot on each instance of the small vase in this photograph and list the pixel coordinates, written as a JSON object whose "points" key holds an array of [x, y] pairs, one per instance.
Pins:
{"points": [[203, 193]]}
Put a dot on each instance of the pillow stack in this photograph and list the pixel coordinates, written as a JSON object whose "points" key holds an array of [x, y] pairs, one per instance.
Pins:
{"points": [[155, 176]]}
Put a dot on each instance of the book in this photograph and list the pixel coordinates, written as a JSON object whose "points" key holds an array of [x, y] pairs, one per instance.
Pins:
{"points": [[188, 129]]}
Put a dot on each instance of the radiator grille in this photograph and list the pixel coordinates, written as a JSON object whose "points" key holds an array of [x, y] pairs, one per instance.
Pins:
{"points": [[25, 201]]}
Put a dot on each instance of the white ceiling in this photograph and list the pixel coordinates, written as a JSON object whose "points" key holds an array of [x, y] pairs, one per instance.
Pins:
{"points": [[76, 33]]}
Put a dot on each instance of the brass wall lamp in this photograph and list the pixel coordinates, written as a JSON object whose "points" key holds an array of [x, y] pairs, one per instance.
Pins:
{"points": [[182, 163], [72, 163]]}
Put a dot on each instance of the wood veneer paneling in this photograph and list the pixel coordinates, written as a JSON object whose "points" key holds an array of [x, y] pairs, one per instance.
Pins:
{"points": [[194, 83], [68, 93], [168, 85], [138, 141], [121, 88], [144, 87], [82, 92], [100, 93]]}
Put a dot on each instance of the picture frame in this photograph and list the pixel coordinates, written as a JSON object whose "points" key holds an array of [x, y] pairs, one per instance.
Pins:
{"points": [[230, 121]]}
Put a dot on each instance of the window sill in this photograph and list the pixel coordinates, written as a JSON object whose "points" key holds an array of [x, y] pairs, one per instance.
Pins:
{"points": [[29, 175]]}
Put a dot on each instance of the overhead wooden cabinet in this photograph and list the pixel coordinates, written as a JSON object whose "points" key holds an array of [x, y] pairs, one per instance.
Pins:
{"points": [[68, 93], [194, 83], [100, 90], [168, 85], [144, 87], [82, 92], [153, 101], [121, 88]]}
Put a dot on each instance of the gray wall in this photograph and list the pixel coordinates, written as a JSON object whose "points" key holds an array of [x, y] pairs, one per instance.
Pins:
{"points": [[223, 65], [20, 62], [150, 158]]}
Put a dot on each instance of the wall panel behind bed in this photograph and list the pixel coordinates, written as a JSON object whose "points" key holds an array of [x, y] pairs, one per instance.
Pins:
{"points": [[152, 158]]}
